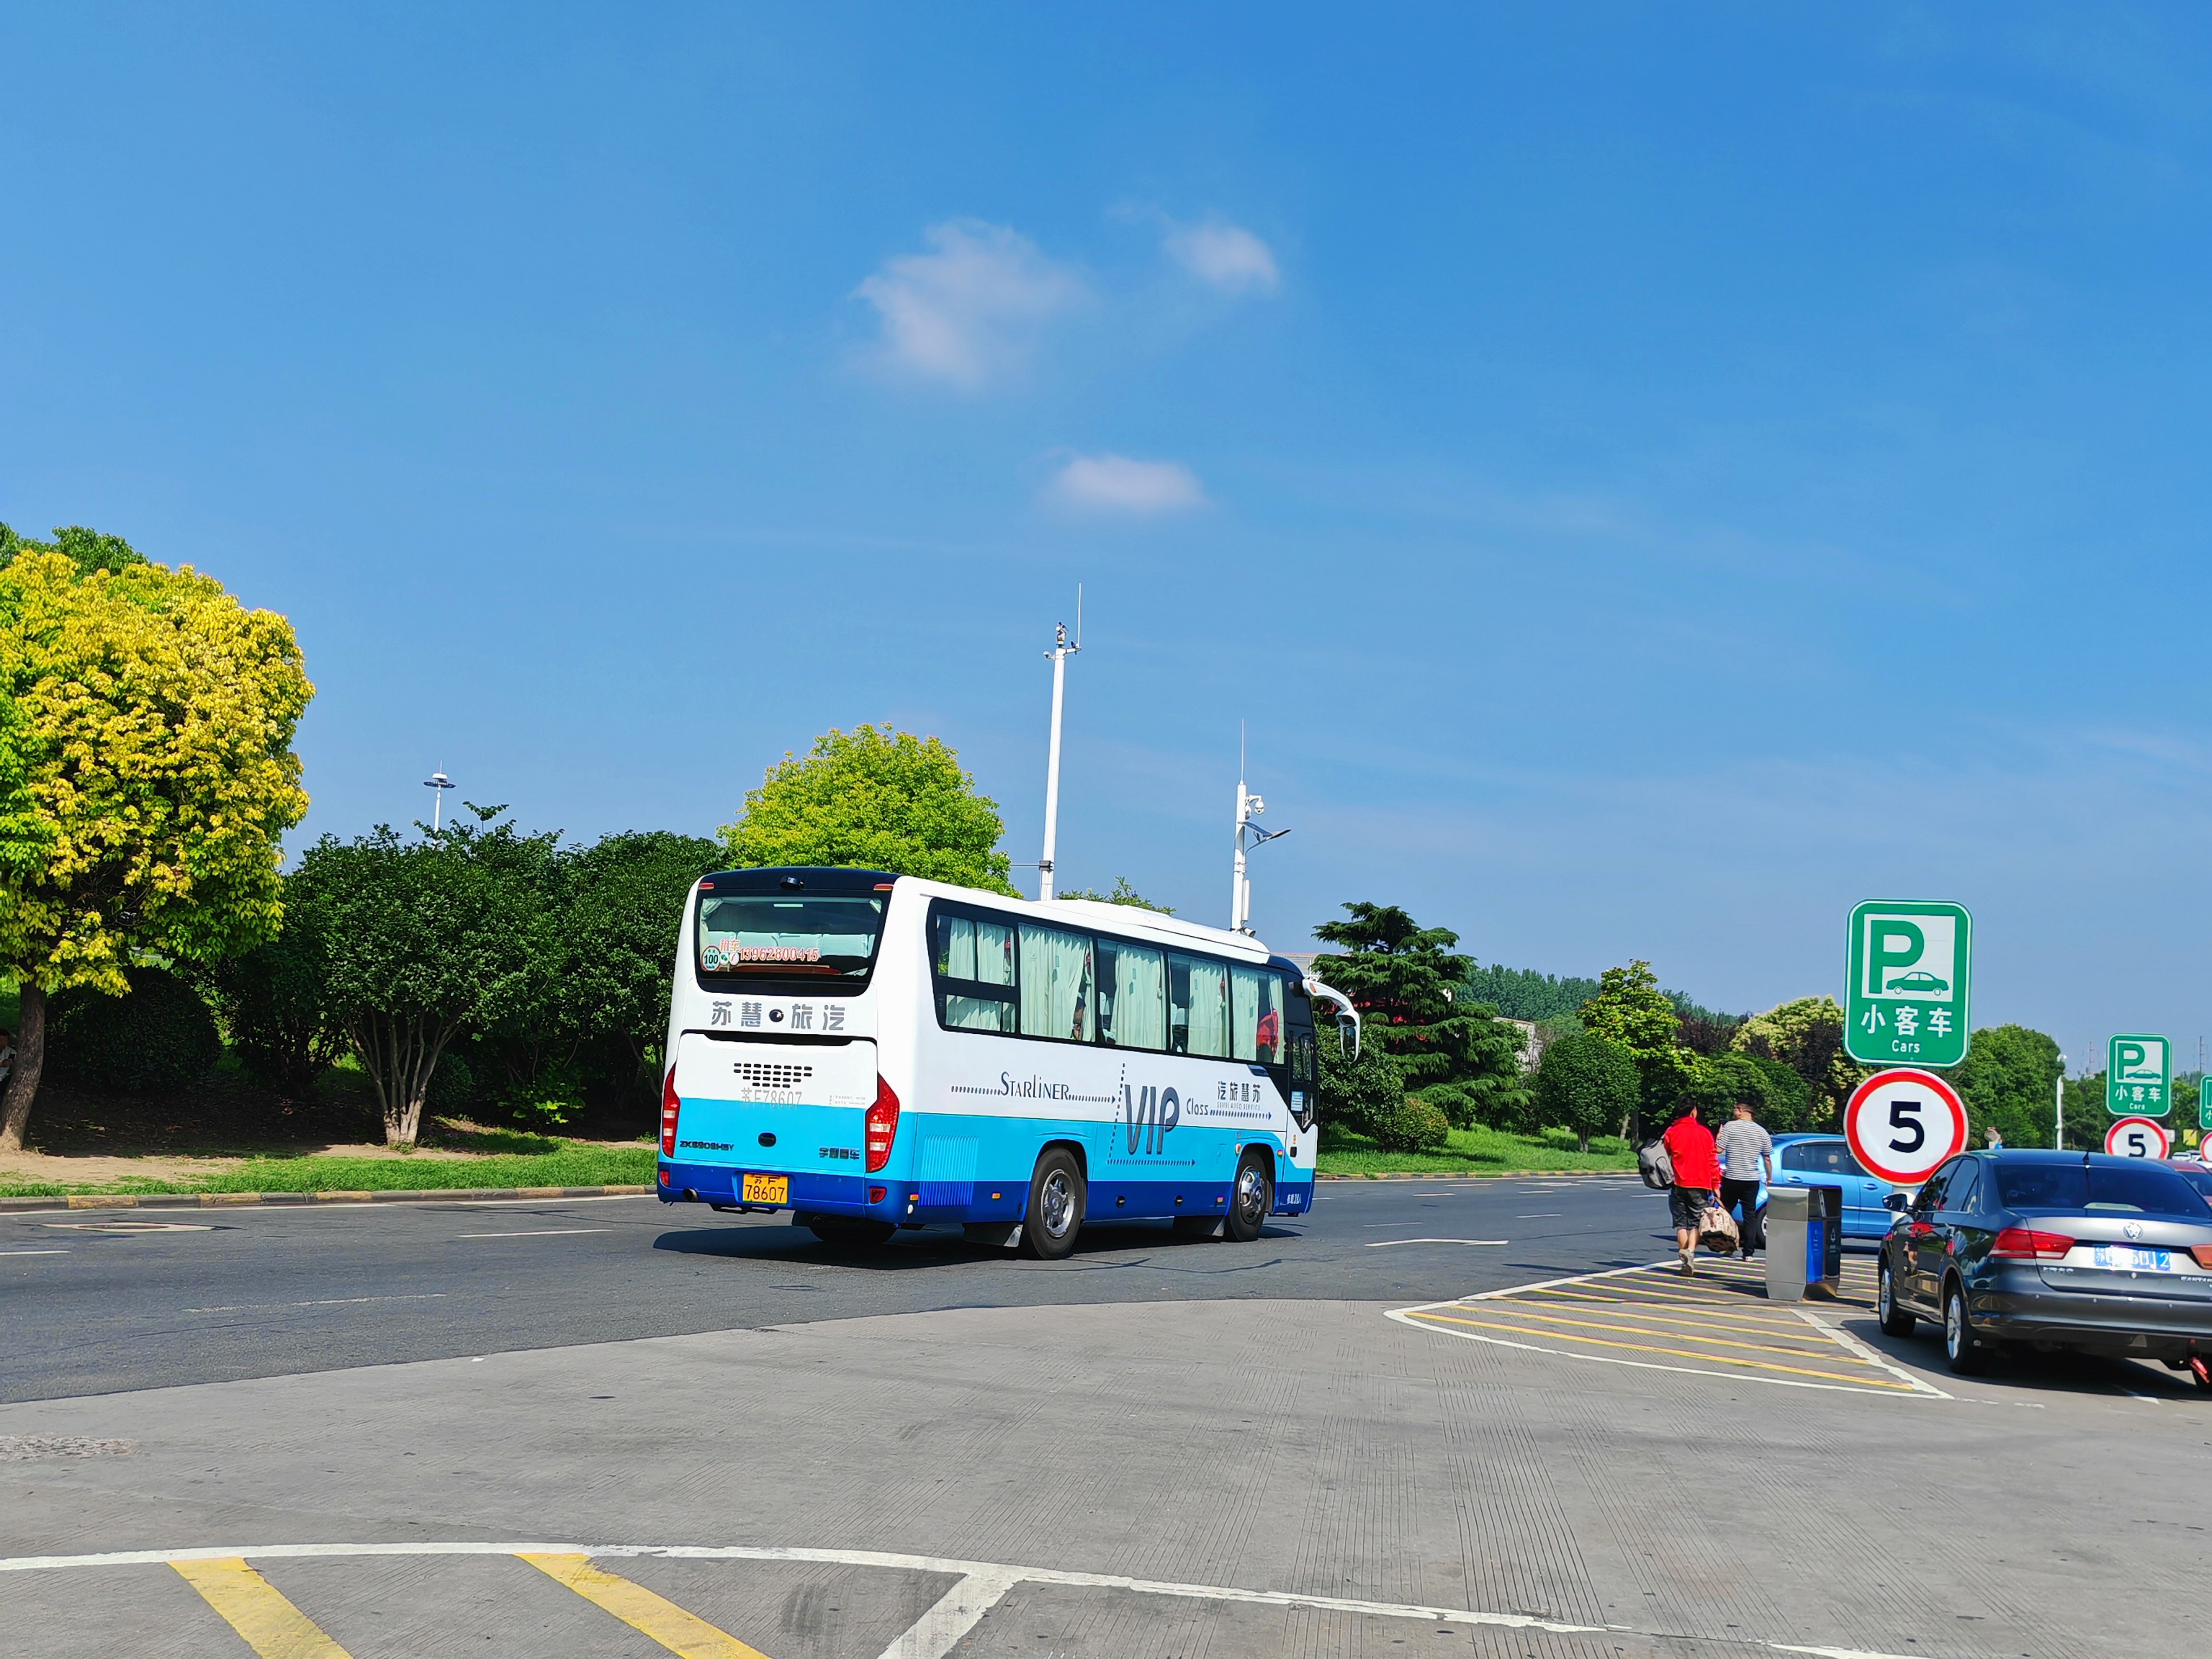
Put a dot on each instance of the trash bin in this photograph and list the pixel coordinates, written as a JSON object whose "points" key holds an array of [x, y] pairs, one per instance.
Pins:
{"points": [[1804, 1242]]}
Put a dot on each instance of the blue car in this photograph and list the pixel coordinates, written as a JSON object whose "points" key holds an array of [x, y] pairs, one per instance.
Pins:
{"points": [[1816, 1160], [1812, 1160]]}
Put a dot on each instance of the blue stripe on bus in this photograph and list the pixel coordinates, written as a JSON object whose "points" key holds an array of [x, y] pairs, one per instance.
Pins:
{"points": [[955, 1167]]}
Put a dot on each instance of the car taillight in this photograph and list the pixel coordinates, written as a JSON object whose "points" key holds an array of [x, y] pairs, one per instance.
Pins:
{"points": [[670, 1105], [2202, 1253], [883, 1127], [2026, 1244]]}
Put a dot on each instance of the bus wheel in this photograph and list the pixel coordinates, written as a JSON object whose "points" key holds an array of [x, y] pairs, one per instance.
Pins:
{"points": [[1055, 1213], [1255, 1195], [849, 1229]]}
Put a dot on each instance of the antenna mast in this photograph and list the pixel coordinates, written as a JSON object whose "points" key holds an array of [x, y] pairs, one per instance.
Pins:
{"points": [[1060, 651]]}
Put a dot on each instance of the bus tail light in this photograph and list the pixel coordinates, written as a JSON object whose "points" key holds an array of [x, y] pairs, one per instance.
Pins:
{"points": [[670, 1105], [883, 1126], [2028, 1244]]}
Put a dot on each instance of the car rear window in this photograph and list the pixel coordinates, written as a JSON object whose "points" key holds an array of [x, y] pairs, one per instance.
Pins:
{"points": [[2137, 1190], [1821, 1158]]}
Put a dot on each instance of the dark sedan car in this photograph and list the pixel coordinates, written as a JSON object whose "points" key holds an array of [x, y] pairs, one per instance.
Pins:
{"points": [[2054, 1250]]}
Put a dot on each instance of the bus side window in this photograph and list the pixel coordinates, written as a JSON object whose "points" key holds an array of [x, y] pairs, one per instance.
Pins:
{"points": [[975, 974], [1133, 990], [1057, 989], [1198, 1006], [1256, 1015], [1301, 1061]]}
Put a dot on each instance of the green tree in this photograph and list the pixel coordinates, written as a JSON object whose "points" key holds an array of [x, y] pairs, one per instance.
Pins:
{"points": [[1123, 893], [1807, 1036], [2087, 1119], [1587, 1083], [874, 799], [627, 894], [1629, 1009], [1361, 1095], [275, 1003], [1404, 979], [2009, 1080], [1524, 994], [88, 549], [419, 938], [145, 775]]}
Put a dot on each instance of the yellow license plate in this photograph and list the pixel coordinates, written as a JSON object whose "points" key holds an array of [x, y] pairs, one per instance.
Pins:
{"points": [[766, 1190]]}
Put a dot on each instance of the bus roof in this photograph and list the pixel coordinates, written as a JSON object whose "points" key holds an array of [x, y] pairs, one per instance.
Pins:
{"points": [[1128, 920]]}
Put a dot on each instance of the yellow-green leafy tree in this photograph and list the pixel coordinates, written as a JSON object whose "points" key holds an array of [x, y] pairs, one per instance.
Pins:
{"points": [[146, 773], [873, 798]]}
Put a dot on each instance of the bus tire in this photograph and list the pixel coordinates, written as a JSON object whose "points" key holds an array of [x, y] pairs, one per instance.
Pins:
{"points": [[1250, 1199], [849, 1229], [1057, 1194]]}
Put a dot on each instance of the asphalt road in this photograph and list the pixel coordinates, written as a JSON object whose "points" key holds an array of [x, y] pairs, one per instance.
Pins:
{"points": [[97, 1302]]}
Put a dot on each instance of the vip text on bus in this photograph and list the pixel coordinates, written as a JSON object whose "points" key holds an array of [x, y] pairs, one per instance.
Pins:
{"points": [[871, 1052]]}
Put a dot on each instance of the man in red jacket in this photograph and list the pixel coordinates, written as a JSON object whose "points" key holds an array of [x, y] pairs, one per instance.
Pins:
{"points": [[1697, 1162]]}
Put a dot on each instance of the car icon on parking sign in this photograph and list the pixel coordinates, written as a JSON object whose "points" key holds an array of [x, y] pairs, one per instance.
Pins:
{"points": [[1918, 980]]}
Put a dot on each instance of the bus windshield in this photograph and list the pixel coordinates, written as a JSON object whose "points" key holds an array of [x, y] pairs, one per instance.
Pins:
{"points": [[779, 936]]}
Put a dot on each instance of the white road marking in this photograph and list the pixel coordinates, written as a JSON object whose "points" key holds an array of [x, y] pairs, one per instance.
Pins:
{"points": [[1541, 1215], [332, 1302], [129, 1226], [62, 1252], [546, 1232], [1386, 1244], [1852, 1344], [982, 1583]]}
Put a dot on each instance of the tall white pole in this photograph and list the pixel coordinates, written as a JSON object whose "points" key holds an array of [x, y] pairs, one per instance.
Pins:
{"points": [[1239, 890], [1060, 651], [2058, 1136]]}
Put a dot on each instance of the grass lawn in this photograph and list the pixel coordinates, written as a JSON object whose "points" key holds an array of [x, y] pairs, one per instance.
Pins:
{"points": [[544, 1162], [1473, 1151]]}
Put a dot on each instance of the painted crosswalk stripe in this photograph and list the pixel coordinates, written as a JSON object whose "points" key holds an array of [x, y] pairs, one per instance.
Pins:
{"points": [[679, 1631], [257, 1610]]}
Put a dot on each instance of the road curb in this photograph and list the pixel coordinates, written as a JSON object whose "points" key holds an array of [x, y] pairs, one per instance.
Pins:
{"points": [[222, 1200], [1483, 1175]]}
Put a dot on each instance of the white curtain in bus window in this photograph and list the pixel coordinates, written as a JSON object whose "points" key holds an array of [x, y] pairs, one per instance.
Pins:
{"points": [[981, 954], [1132, 984], [1198, 1001], [1244, 994], [1056, 996], [1269, 1040]]}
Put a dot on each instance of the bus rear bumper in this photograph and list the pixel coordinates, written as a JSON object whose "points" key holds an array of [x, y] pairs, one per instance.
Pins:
{"points": [[823, 1195]]}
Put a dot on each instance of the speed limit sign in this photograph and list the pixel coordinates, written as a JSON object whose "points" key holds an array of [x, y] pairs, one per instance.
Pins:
{"points": [[2138, 1137], [1902, 1123]]}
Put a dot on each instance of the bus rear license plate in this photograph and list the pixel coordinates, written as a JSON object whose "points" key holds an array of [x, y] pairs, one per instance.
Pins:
{"points": [[766, 1190]]}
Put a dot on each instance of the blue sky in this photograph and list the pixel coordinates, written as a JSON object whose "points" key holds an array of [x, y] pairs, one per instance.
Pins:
{"points": [[1648, 476]]}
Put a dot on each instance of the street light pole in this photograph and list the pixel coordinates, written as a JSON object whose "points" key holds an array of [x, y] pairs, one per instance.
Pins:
{"points": [[440, 783], [1060, 651], [2058, 1142]]}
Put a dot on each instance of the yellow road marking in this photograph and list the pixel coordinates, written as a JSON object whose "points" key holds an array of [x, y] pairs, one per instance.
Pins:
{"points": [[1749, 1321], [257, 1610], [1817, 1344], [679, 1631], [1864, 1381]]}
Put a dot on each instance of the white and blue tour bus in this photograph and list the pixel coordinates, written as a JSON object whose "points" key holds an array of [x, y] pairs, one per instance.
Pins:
{"points": [[871, 1052]]}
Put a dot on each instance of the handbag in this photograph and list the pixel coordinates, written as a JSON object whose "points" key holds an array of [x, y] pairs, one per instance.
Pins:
{"points": [[1716, 1230]]}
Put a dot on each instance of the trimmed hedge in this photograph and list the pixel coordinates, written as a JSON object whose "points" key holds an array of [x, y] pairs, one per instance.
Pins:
{"points": [[161, 1037]]}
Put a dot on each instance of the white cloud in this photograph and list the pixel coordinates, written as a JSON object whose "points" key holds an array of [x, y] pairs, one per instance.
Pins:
{"points": [[1227, 257], [967, 311], [1115, 483]]}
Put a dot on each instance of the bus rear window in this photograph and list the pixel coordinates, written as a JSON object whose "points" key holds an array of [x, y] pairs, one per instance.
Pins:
{"points": [[774, 936]]}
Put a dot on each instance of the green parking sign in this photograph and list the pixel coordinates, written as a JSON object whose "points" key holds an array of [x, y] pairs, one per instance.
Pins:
{"points": [[2139, 1077], [1910, 962]]}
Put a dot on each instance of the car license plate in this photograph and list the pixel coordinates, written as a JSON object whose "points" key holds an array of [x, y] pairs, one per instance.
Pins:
{"points": [[2141, 1262], [766, 1190]]}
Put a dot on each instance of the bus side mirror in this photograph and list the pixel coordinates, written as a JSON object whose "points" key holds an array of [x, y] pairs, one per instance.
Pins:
{"points": [[1347, 1035]]}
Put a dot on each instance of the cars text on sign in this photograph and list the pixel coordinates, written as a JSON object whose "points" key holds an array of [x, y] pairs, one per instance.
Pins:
{"points": [[1910, 962], [2139, 1077]]}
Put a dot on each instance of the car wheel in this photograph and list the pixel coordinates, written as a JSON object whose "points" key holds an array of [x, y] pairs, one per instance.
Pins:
{"points": [[1056, 1199], [1250, 1200], [1895, 1321], [1967, 1357]]}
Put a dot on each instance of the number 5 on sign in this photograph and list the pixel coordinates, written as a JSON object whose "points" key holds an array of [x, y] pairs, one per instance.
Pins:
{"points": [[1902, 1123], [2138, 1137]]}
